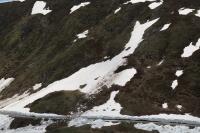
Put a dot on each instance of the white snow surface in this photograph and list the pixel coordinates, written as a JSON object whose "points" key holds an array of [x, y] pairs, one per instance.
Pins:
{"points": [[110, 108], [167, 128], [185, 117], [37, 86], [160, 63], [179, 107], [174, 84], [189, 50], [148, 67], [5, 121], [164, 105], [166, 26], [198, 13], [103, 70], [122, 77], [20, 0], [39, 8], [5, 83], [6, 102], [137, 1], [179, 73], [185, 11], [76, 7], [83, 34], [117, 10], [154, 5]]}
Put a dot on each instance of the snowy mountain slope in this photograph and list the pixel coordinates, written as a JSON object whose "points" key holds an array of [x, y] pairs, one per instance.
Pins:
{"points": [[70, 57]]}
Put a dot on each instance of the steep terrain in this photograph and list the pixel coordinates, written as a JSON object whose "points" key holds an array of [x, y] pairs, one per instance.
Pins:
{"points": [[114, 58]]}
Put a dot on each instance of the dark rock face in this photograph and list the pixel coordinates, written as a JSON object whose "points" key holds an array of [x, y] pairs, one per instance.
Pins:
{"points": [[59, 103], [38, 48], [23, 122]]}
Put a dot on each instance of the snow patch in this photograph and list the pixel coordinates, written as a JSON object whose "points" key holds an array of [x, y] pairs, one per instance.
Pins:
{"points": [[185, 11], [28, 129], [99, 123], [5, 122], [198, 13], [179, 107], [117, 10], [83, 34], [179, 73], [166, 26], [5, 83], [174, 84], [37, 86], [137, 1], [189, 50], [148, 67], [160, 63], [123, 77], [110, 108], [39, 8], [106, 57], [154, 5], [76, 7], [164, 105]]}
